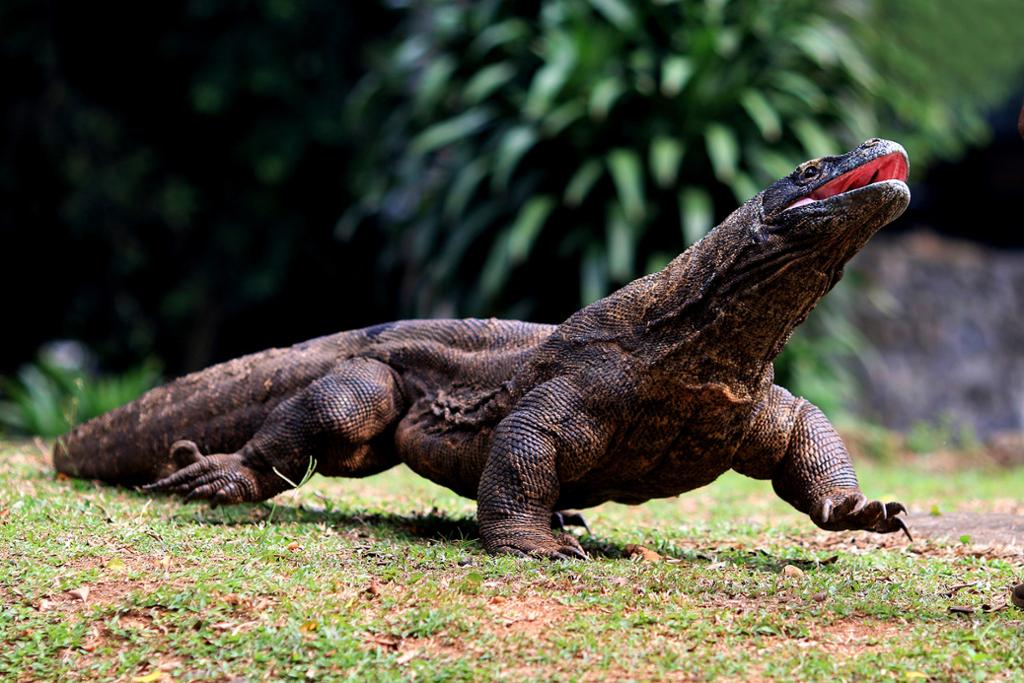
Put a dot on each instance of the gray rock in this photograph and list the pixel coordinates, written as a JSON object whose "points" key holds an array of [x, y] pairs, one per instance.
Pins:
{"points": [[945, 319]]}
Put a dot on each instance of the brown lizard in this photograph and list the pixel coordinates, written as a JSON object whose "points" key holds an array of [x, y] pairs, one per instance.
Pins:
{"points": [[656, 389]]}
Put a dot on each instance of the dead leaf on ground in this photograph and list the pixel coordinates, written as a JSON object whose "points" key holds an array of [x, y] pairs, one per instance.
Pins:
{"points": [[792, 572], [81, 593], [641, 553]]}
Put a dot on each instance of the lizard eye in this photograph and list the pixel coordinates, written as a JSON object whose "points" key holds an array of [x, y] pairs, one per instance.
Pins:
{"points": [[809, 172]]}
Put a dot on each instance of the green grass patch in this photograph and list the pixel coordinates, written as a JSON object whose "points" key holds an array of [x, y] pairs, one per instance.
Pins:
{"points": [[384, 579]]}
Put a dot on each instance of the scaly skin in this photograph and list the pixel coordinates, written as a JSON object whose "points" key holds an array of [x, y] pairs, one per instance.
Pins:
{"points": [[655, 390]]}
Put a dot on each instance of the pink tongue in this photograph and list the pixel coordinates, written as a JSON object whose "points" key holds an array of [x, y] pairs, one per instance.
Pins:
{"points": [[801, 202]]}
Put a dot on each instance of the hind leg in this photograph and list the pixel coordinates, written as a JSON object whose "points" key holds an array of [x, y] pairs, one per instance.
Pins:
{"points": [[333, 420]]}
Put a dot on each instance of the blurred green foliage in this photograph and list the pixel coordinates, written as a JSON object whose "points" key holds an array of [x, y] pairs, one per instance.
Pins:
{"points": [[941, 65], [595, 135], [603, 135], [47, 399], [945, 433]]}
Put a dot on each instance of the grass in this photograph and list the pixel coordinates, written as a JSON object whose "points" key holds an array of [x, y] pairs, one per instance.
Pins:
{"points": [[383, 579]]}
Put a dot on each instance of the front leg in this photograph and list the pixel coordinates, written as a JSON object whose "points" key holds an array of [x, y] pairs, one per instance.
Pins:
{"points": [[549, 438], [791, 442]]}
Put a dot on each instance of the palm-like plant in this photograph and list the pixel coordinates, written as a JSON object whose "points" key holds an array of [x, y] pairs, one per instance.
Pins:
{"points": [[47, 398]]}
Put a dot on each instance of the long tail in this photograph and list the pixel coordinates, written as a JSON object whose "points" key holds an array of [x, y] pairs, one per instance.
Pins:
{"points": [[218, 408]]}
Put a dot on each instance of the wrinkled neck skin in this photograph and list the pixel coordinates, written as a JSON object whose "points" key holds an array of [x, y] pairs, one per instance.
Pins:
{"points": [[727, 306], [723, 309]]}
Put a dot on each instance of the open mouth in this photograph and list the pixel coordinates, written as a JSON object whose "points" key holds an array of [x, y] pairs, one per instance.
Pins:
{"points": [[889, 167]]}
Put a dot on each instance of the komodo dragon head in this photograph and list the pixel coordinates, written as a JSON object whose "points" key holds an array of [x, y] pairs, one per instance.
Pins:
{"points": [[744, 288], [829, 207]]}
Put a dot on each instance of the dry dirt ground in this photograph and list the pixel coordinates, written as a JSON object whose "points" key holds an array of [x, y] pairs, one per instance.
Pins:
{"points": [[984, 528]]}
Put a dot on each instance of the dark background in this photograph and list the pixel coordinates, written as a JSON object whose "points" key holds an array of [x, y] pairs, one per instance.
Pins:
{"points": [[135, 221]]}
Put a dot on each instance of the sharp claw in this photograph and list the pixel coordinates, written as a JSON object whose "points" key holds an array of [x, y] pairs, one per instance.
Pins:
{"points": [[158, 484], [896, 507], [193, 495], [826, 511], [560, 519], [161, 485], [557, 520], [898, 521], [858, 507], [576, 553], [576, 519], [176, 481]]}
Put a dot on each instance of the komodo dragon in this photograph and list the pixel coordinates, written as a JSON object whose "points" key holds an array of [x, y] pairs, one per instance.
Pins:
{"points": [[654, 390]]}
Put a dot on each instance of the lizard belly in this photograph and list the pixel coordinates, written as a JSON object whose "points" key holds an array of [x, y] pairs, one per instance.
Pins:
{"points": [[661, 455], [663, 476], [441, 449]]}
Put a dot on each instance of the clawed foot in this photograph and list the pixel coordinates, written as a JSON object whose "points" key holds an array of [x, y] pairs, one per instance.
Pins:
{"points": [[852, 510], [221, 479], [537, 544], [563, 518]]}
